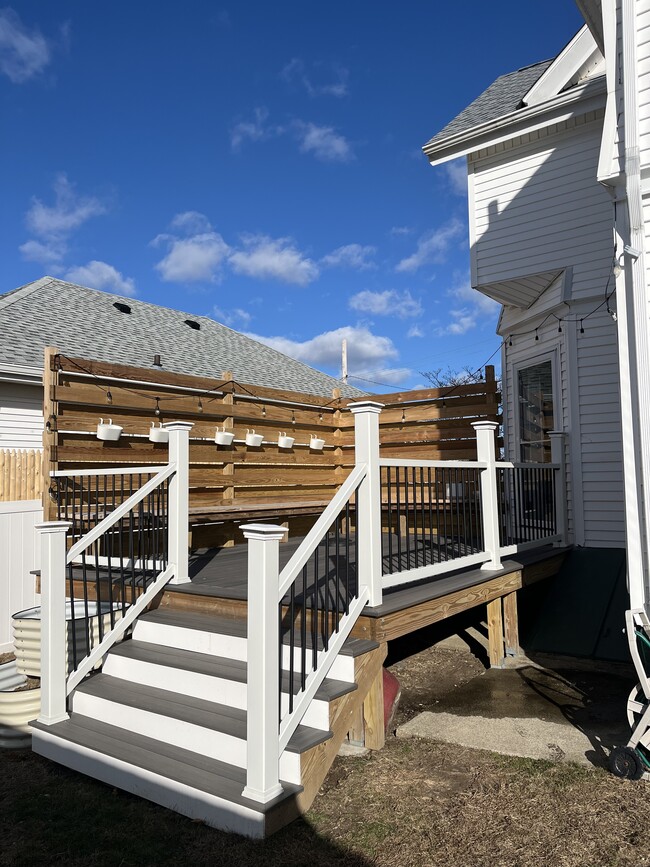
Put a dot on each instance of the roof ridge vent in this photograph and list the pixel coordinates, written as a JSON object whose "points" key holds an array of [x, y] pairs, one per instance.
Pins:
{"points": [[123, 308], [192, 323]]}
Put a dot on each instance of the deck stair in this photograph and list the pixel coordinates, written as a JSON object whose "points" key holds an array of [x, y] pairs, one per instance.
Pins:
{"points": [[166, 719]]}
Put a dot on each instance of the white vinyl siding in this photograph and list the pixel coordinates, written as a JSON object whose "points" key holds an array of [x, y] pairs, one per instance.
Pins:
{"points": [[643, 80], [21, 416]]}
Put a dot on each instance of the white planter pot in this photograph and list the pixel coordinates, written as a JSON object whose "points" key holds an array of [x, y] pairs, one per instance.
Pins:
{"points": [[285, 442], [17, 709], [316, 444], [253, 439], [158, 434], [110, 431], [9, 676], [27, 634], [224, 437]]}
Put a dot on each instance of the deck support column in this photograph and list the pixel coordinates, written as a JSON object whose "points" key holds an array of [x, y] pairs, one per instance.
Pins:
{"points": [[511, 624], [54, 629], [179, 499], [486, 454], [558, 457], [495, 633], [366, 451], [263, 698]]}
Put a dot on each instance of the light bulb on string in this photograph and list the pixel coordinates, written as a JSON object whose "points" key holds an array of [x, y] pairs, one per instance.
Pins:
{"points": [[109, 396], [403, 416], [200, 407], [293, 417], [582, 328], [559, 326], [510, 340], [263, 411], [536, 335], [157, 409]]}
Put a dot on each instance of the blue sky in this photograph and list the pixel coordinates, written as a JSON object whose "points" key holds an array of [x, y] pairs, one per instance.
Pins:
{"points": [[260, 163]]}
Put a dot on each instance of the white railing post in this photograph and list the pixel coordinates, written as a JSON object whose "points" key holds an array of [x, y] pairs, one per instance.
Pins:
{"points": [[179, 499], [486, 454], [54, 630], [369, 542], [558, 457], [263, 654]]}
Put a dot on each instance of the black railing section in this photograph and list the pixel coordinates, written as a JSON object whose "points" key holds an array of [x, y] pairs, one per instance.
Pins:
{"points": [[311, 611], [109, 575], [429, 515], [527, 504]]}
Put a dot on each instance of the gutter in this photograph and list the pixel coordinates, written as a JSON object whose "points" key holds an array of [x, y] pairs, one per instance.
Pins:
{"points": [[21, 373], [501, 128]]}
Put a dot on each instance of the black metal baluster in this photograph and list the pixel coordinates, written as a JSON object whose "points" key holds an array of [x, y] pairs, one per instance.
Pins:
{"points": [[292, 640], [389, 517], [84, 573], [347, 557], [431, 493], [407, 502], [109, 552], [398, 524], [303, 631], [326, 592], [314, 624], [337, 579]]}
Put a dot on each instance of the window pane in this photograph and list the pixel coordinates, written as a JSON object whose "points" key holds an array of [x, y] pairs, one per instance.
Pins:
{"points": [[536, 412]]}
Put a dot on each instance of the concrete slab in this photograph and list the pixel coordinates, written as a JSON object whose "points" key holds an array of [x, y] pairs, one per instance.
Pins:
{"points": [[563, 713]]}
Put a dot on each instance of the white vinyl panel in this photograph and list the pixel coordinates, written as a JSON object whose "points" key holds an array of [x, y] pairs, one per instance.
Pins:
{"points": [[18, 557]]}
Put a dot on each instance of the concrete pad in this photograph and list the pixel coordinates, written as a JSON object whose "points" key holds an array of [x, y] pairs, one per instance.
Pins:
{"points": [[563, 714]]}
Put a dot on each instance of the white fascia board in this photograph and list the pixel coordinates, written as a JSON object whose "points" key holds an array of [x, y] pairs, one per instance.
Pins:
{"points": [[579, 55], [581, 99], [21, 373]]}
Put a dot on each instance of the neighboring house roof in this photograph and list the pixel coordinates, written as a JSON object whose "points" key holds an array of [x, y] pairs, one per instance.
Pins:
{"points": [[502, 97], [85, 323]]}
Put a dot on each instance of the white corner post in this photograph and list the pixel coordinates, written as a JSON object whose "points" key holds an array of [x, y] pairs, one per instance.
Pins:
{"points": [[558, 457], [179, 499], [263, 654], [366, 451], [54, 630], [486, 454]]}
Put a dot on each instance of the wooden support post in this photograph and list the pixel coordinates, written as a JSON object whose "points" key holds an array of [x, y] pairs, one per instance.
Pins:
{"points": [[356, 734], [495, 633], [373, 714], [50, 436], [511, 624]]}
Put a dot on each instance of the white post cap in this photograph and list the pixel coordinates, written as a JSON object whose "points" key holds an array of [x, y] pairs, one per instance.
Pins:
{"points": [[365, 406], [263, 532], [178, 425]]}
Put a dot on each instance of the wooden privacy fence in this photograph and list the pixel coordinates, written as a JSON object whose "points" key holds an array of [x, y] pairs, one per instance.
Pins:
{"points": [[20, 474], [431, 423]]}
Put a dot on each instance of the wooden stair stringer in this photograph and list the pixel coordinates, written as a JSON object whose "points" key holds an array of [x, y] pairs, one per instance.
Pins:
{"points": [[316, 762]]}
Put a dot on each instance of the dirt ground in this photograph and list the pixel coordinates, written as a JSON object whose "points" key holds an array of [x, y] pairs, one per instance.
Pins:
{"points": [[416, 802]]}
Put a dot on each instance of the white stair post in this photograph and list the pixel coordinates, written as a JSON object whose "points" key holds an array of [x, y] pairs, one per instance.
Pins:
{"points": [[54, 630], [486, 454], [366, 451], [558, 457], [179, 499], [263, 654]]}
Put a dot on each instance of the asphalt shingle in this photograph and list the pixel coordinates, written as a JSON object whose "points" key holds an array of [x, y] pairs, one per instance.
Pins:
{"points": [[85, 323]]}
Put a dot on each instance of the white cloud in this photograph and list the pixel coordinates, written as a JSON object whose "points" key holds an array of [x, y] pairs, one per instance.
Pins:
{"points": [[473, 309], [23, 53], [323, 142], [101, 275], [365, 349], [295, 72], [386, 375], [275, 258], [49, 253], [350, 256], [397, 231], [386, 303], [432, 247], [68, 213], [256, 129], [456, 172], [415, 331], [232, 317], [196, 257]]}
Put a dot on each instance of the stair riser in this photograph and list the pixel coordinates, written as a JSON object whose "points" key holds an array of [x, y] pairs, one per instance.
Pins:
{"points": [[187, 736], [228, 646], [202, 686], [214, 811]]}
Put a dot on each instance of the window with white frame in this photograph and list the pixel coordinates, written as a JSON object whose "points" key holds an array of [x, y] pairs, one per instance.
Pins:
{"points": [[535, 393]]}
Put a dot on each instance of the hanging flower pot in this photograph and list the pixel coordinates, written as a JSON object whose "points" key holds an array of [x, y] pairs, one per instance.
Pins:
{"points": [[253, 439], [158, 434], [285, 442], [109, 431], [224, 437], [316, 443]]}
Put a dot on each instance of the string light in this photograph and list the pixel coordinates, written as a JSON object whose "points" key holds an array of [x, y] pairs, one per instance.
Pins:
{"points": [[559, 326], [263, 411], [403, 416], [536, 335], [582, 329], [510, 340], [320, 416], [293, 417], [109, 396], [157, 409], [200, 405]]}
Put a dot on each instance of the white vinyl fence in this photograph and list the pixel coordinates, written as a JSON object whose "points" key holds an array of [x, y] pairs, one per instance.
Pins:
{"points": [[18, 556]]}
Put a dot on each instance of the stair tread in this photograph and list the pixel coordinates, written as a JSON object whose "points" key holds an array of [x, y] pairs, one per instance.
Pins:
{"points": [[236, 628], [217, 717], [217, 666], [183, 766]]}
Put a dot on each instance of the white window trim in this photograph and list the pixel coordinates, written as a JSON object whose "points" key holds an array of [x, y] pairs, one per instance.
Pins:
{"points": [[550, 354]]}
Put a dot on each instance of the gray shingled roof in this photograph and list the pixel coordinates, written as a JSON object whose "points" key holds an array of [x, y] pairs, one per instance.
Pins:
{"points": [[84, 323], [502, 97]]}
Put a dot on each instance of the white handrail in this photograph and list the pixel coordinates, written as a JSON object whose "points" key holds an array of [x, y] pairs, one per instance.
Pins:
{"points": [[108, 471], [119, 512], [322, 525], [416, 462]]}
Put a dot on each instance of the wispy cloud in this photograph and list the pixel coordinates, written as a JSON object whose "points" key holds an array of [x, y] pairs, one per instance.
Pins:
{"points": [[456, 175], [24, 53], [365, 349], [237, 316], [101, 275], [415, 331], [54, 224], [275, 258], [350, 256], [398, 231], [254, 130], [195, 252], [432, 247], [382, 376], [323, 142], [334, 81], [386, 303], [470, 308]]}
